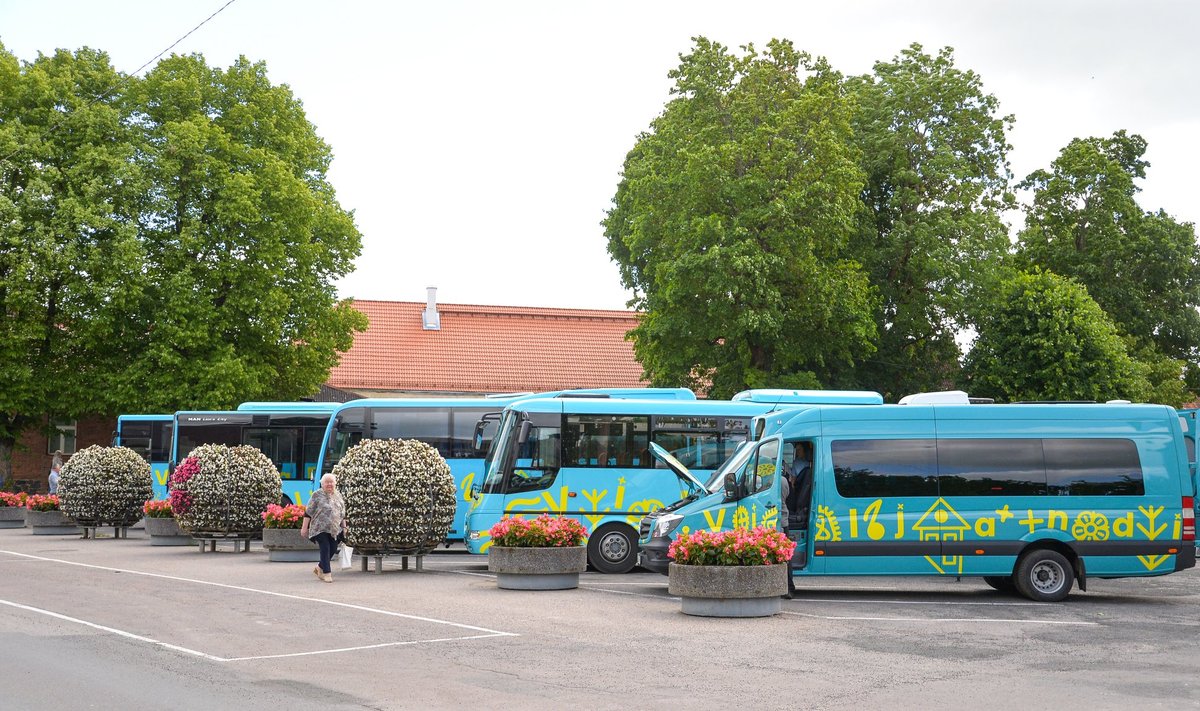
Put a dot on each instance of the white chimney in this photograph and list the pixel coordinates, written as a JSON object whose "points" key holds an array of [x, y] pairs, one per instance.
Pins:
{"points": [[432, 321]]}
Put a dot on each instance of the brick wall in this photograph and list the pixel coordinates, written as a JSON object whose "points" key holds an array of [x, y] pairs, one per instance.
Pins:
{"points": [[31, 462]]}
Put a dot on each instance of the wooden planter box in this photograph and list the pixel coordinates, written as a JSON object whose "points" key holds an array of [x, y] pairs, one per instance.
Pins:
{"points": [[286, 545], [729, 590], [555, 568]]}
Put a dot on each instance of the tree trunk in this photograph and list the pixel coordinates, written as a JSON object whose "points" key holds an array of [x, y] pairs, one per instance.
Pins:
{"points": [[6, 450]]}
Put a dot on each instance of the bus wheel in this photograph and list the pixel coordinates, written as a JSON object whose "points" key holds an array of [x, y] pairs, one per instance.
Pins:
{"points": [[613, 548], [1003, 583], [285, 501], [1044, 575]]}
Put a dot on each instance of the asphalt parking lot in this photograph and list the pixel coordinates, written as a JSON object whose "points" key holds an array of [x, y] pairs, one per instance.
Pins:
{"points": [[114, 624]]}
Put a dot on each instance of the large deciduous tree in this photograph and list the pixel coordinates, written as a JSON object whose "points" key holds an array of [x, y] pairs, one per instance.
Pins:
{"points": [[70, 258], [165, 242], [1142, 268], [1045, 338], [934, 150], [732, 220]]}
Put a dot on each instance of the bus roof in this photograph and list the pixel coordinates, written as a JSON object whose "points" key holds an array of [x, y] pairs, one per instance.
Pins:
{"points": [[952, 418], [144, 418], [499, 401], [288, 406], [810, 397], [618, 406]]}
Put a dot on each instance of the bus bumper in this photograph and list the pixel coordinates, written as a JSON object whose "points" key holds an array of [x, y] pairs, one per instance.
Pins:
{"points": [[653, 555], [1186, 558]]}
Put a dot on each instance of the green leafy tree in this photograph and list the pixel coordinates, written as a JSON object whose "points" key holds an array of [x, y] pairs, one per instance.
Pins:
{"points": [[1045, 339], [167, 242], [934, 150], [1143, 268], [70, 191], [243, 238], [731, 225]]}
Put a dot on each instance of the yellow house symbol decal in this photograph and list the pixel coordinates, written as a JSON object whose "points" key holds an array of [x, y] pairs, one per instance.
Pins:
{"points": [[942, 523]]}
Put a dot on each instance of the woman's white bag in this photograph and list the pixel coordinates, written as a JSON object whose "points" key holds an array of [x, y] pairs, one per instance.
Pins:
{"points": [[347, 556]]}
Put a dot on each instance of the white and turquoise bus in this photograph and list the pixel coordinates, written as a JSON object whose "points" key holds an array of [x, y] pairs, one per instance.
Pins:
{"points": [[589, 458], [290, 433], [460, 429], [1030, 497], [149, 436]]}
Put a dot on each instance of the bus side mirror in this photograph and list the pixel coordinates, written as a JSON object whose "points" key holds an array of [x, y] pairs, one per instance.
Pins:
{"points": [[731, 486], [478, 437], [523, 435]]}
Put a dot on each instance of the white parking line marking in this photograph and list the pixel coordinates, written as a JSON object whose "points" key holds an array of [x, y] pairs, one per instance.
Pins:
{"points": [[486, 633], [272, 593], [112, 630], [941, 619], [368, 646]]}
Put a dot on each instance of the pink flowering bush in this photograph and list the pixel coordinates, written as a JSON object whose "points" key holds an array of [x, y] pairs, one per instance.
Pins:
{"points": [[158, 509], [545, 531], [181, 500], [756, 546], [42, 502], [276, 516], [16, 501]]}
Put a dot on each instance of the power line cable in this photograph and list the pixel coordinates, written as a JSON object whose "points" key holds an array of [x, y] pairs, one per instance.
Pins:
{"points": [[122, 80]]}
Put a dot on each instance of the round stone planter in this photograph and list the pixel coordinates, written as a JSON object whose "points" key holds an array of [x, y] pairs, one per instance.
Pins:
{"points": [[286, 545], [50, 523], [166, 532], [729, 590], [555, 568], [12, 517]]}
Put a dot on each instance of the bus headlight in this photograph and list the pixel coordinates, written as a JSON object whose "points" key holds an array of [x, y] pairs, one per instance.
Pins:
{"points": [[665, 525]]}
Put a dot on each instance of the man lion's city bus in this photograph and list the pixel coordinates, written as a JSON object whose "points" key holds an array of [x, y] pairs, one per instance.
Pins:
{"points": [[1033, 498], [290, 433], [449, 425], [149, 436], [590, 458]]}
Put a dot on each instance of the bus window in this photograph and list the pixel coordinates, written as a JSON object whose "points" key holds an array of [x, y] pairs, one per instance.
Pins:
{"points": [[873, 468], [606, 441], [1093, 467], [990, 467]]}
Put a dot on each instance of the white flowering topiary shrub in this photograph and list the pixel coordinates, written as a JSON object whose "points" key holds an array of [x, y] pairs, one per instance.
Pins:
{"points": [[399, 493], [219, 489], [104, 486]]}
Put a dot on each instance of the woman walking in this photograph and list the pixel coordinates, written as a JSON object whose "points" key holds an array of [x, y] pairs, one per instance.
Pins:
{"points": [[324, 520]]}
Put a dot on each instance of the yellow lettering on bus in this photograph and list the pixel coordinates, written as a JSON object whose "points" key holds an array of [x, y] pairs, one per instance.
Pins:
{"points": [[1123, 527], [985, 527]]}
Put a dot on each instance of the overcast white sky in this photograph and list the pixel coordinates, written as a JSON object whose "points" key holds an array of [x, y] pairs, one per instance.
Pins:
{"points": [[480, 143]]}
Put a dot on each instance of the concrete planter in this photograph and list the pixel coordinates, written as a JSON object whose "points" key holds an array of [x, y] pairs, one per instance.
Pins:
{"points": [[166, 532], [50, 523], [286, 545], [729, 590], [12, 517], [537, 568]]}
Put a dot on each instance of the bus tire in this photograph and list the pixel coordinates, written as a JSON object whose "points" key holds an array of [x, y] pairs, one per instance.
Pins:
{"points": [[1002, 583], [285, 501], [1044, 575], [612, 548]]}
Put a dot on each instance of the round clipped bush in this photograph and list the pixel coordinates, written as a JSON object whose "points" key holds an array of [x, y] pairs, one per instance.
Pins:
{"points": [[105, 486], [399, 493], [219, 489]]}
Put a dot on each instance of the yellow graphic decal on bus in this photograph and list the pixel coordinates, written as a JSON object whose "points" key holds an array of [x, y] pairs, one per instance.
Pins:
{"points": [[941, 522]]}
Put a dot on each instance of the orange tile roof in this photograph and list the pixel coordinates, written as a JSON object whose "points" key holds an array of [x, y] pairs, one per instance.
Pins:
{"points": [[487, 349]]}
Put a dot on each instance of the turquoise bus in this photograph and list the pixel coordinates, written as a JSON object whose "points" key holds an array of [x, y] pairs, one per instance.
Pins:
{"points": [[290, 433], [460, 429], [589, 458], [1033, 498], [149, 436]]}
